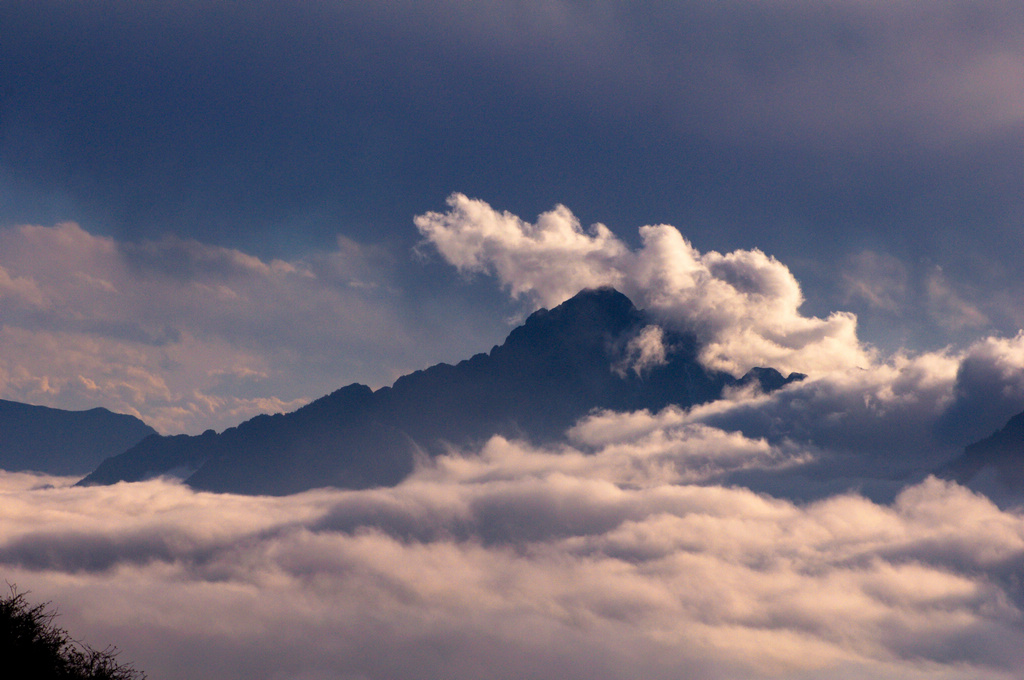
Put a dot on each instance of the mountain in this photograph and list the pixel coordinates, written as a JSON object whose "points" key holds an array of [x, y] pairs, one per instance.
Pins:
{"points": [[994, 464], [63, 442], [595, 351]]}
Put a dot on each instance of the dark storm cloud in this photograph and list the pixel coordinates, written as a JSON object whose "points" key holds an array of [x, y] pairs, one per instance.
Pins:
{"points": [[814, 131], [296, 120]]}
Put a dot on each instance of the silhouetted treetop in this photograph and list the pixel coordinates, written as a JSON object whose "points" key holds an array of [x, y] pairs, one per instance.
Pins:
{"points": [[33, 648]]}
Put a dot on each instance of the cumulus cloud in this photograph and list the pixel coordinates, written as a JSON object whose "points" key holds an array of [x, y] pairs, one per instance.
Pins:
{"points": [[185, 334], [527, 562], [989, 388], [743, 306], [873, 429], [904, 411]]}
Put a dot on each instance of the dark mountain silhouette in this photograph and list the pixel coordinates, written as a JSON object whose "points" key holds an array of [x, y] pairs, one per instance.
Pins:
{"points": [[63, 442], [555, 368], [998, 460]]}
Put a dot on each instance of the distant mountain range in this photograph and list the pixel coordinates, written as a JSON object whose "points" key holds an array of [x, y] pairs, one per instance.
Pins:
{"points": [[594, 351], [63, 442]]}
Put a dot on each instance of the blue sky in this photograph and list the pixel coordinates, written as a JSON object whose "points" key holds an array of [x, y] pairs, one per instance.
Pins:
{"points": [[873, 148]]}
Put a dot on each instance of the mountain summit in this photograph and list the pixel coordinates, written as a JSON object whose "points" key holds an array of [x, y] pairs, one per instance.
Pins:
{"points": [[594, 351], [63, 442]]}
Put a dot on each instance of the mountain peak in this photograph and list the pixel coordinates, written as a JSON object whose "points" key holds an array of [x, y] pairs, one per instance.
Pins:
{"points": [[557, 367], [63, 442], [587, 325], [601, 306]]}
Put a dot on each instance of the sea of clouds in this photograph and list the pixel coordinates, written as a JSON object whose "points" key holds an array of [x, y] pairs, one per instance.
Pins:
{"points": [[794, 535], [620, 562]]}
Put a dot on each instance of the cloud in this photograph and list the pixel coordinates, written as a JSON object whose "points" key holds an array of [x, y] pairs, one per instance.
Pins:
{"points": [[807, 130], [949, 307], [879, 279], [644, 351], [20, 290], [550, 261], [877, 428], [639, 543], [868, 414], [989, 388], [476, 564], [885, 411], [189, 335], [914, 302], [743, 306]]}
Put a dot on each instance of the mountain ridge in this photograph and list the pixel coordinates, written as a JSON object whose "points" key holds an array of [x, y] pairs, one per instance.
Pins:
{"points": [[559, 365], [994, 464], [63, 442]]}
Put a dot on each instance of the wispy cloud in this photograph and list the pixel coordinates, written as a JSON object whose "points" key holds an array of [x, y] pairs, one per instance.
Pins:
{"points": [[879, 279], [185, 334]]}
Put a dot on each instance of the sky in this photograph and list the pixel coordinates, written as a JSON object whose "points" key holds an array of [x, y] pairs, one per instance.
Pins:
{"points": [[226, 192], [210, 210]]}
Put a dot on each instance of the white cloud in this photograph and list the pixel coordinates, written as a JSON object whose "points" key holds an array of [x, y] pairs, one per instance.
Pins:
{"points": [[550, 261], [895, 419], [743, 306], [474, 565], [904, 414], [643, 352]]}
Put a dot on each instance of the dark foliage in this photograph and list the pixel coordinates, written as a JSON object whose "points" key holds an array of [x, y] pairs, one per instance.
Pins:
{"points": [[33, 648]]}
